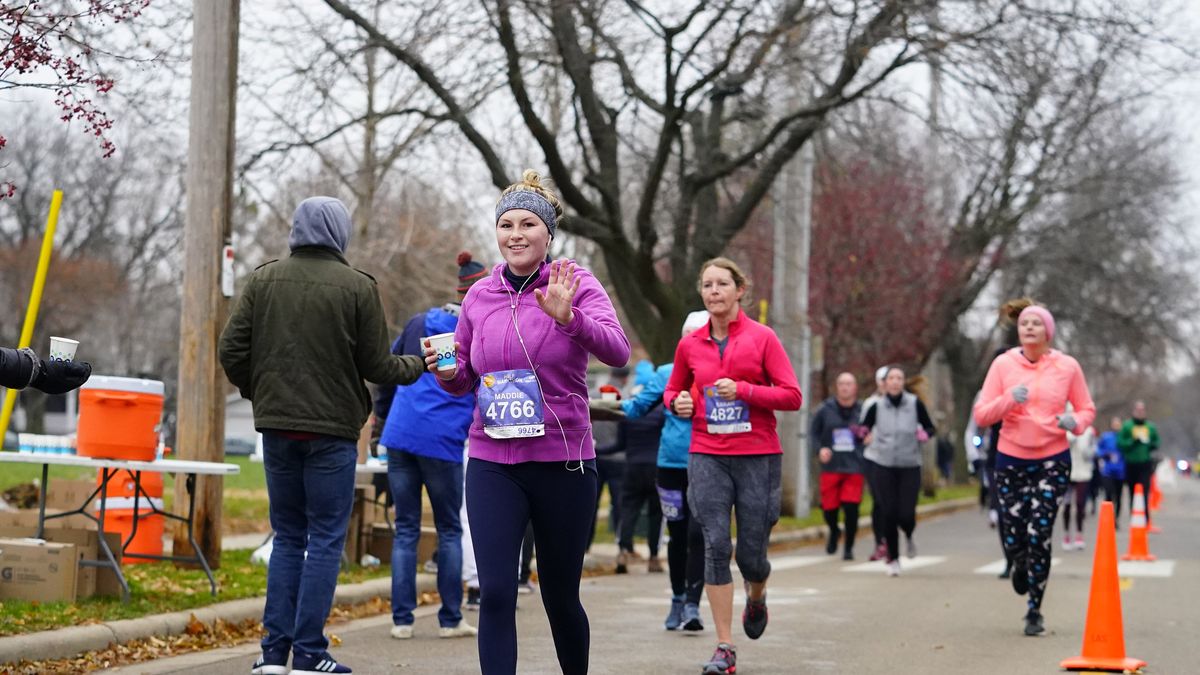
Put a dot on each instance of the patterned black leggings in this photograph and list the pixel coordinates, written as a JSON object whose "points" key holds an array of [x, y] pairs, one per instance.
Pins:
{"points": [[1030, 496]]}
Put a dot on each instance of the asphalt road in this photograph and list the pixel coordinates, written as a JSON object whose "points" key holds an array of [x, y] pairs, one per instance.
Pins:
{"points": [[947, 613]]}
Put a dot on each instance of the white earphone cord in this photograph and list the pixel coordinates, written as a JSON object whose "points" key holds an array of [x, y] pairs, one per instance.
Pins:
{"points": [[512, 305]]}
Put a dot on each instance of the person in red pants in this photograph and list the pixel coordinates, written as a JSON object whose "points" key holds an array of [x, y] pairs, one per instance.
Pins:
{"points": [[835, 426]]}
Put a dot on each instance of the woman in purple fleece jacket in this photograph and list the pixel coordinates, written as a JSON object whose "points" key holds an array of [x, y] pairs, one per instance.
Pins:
{"points": [[523, 341]]}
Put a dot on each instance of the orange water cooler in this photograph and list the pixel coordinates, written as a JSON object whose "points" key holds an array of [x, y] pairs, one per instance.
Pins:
{"points": [[119, 419]]}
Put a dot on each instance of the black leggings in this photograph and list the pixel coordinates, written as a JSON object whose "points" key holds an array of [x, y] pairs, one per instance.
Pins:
{"points": [[1139, 473], [501, 500], [1113, 488], [1030, 493], [638, 489], [1078, 495], [871, 473], [896, 491], [685, 550]]}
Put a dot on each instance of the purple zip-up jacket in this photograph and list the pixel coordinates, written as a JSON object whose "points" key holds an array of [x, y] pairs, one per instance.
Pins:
{"points": [[490, 343]]}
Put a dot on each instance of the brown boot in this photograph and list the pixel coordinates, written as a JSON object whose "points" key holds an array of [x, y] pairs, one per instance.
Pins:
{"points": [[654, 565]]}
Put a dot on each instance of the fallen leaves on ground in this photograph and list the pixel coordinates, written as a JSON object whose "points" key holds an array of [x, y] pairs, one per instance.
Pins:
{"points": [[198, 636]]}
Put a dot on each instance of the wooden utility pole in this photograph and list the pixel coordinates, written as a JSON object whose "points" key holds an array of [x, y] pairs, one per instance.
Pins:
{"points": [[200, 434]]}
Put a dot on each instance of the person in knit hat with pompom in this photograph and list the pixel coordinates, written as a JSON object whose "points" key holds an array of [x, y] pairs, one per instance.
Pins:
{"points": [[424, 432], [469, 272]]}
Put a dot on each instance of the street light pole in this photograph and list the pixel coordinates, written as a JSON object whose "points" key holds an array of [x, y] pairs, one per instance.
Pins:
{"points": [[792, 228]]}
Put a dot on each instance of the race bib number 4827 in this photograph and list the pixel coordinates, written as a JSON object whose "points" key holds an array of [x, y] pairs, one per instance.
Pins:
{"points": [[725, 417]]}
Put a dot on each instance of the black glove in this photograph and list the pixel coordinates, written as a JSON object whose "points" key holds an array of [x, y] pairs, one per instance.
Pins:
{"points": [[59, 377]]}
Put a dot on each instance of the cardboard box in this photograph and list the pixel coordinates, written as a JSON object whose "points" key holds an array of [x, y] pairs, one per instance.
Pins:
{"points": [[381, 543], [39, 571], [92, 581], [67, 495], [426, 545], [28, 518]]}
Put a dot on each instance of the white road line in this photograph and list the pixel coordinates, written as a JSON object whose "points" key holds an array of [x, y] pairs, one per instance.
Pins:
{"points": [[880, 567], [1161, 569], [796, 561], [998, 566]]}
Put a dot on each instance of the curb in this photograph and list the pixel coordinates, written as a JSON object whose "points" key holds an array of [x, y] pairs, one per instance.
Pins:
{"points": [[67, 642]]}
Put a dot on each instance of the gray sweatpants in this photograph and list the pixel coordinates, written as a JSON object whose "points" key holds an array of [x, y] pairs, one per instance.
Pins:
{"points": [[751, 487]]}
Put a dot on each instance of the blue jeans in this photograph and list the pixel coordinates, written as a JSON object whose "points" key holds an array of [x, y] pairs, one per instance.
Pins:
{"points": [[310, 485], [444, 482]]}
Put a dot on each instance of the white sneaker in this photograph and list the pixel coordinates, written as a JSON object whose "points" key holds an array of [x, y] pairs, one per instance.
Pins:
{"points": [[402, 632], [1067, 545], [463, 629], [1079, 543], [893, 568]]}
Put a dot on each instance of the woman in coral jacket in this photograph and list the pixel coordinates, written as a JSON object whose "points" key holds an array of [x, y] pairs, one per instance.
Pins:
{"points": [[730, 376], [1028, 388]]}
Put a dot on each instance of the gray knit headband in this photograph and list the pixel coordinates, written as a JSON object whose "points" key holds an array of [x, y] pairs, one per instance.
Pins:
{"points": [[530, 201]]}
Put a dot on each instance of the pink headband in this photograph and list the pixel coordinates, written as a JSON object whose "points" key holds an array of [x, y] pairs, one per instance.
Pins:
{"points": [[1043, 314]]}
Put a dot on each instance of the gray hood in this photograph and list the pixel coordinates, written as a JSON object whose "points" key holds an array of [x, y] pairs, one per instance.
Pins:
{"points": [[320, 221]]}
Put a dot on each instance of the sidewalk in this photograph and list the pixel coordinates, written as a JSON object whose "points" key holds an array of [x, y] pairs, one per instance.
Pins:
{"points": [[68, 642]]}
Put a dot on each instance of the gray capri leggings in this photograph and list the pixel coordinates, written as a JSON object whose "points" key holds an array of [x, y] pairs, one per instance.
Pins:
{"points": [[751, 487]]}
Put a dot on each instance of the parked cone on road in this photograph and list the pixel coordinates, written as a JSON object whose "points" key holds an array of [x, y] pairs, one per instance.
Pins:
{"points": [[1104, 633], [1139, 548]]}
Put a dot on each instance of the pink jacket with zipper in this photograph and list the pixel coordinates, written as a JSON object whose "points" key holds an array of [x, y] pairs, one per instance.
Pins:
{"points": [[754, 359], [1030, 429], [490, 342]]}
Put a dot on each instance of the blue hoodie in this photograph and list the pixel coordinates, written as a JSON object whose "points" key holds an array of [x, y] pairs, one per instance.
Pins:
{"points": [[677, 431], [423, 419], [1112, 462]]}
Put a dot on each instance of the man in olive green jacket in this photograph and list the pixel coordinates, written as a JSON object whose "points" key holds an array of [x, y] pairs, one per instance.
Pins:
{"points": [[303, 336], [1138, 442]]}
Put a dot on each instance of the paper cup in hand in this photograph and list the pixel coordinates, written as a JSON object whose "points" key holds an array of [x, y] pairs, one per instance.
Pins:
{"points": [[443, 346], [62, 349]]}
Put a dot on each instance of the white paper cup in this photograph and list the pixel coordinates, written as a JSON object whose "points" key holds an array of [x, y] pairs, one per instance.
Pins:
{"points": [[443, 345], [63, 349]]}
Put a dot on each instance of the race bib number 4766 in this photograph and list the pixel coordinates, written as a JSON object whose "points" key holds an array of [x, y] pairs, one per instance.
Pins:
{"points": [[510, 403]]}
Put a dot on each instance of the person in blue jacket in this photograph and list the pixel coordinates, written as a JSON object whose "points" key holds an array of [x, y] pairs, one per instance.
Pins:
{"points": [[1112, 466], [685, 550], [424, 431]]}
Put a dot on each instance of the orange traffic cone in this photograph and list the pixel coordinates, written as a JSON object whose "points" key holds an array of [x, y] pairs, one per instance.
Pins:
{"points": [[1155, 494], [1155, 503], [1139, 549], [1104, 634]]}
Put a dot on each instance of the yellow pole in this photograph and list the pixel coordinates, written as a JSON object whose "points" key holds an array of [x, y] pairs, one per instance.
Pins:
{"points": [[35, 301], [762, 312]]}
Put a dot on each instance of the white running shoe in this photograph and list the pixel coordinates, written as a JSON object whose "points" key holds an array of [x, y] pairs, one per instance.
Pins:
{"points": [[1079, 543], [1067, 545], [893, 568], [463, 629], [402, 632]]}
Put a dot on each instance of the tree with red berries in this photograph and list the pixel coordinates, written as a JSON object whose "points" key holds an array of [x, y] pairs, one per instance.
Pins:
{"points": [[50, 46]]}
